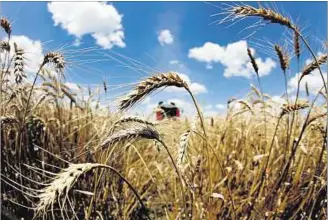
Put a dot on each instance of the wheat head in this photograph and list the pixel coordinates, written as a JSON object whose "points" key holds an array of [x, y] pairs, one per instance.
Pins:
{"points": [[265, 14], [283, 57], [149, 85], [287, 108], [5, 24], [313, 65], [131, 132], [19, 64]]}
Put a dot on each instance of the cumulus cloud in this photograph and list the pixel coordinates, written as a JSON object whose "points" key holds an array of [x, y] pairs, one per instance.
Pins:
{"points": [[165, 37], [211, 110], [233, 57], [99, 19], [198, 88], [220, 106], [313, 80]]}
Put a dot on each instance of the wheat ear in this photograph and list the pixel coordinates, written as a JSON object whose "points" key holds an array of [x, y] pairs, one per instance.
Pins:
{"points": [[149, 85], [287, 108], [313, 65], [55, 58], [19, 64], [297, 45], [183, 145], [4, 46], [5, 24], [125, 120], [283, 57], [129, 133], [64, 181], [253, 61], [265, 14]]}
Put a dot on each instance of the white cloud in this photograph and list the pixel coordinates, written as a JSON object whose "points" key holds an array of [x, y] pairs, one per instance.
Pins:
{"points": [[219, 109], [165, 37], [313, 80], [220, 106], [197, 88], [174, 62], [210, 112], [99, 19], [208, 53], [233, 56]]}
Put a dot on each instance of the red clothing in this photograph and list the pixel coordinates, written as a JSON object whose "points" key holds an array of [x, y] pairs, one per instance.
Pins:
{"points": [[159, 115]]}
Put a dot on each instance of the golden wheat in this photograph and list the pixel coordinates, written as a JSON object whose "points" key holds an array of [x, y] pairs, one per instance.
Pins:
{"points": [[149, 85]]}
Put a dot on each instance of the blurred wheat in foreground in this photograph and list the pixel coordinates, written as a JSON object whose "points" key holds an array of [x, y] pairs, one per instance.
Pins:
{"points": [[62, 160]]}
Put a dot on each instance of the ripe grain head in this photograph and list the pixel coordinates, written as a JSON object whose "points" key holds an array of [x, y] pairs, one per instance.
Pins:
{"points": [[149, 85]]}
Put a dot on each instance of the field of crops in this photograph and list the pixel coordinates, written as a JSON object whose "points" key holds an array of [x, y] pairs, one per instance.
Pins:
{"points": [[62, 158]]}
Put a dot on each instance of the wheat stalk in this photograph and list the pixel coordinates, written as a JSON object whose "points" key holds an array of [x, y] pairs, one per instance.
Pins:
{"points": [[51, 57]]}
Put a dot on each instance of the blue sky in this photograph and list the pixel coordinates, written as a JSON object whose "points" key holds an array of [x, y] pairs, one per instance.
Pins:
{"points": [[164, 36]]}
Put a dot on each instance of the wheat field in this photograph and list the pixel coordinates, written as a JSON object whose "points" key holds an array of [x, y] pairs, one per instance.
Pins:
{"points": [[63, 159]]}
